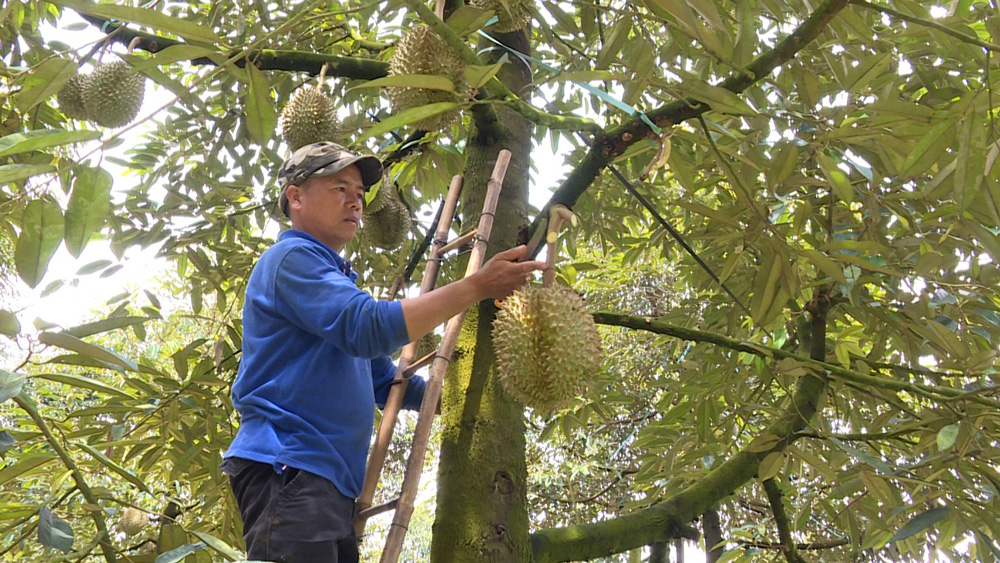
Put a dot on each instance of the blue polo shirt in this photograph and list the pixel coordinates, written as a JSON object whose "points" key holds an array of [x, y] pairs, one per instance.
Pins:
{"points": [[315, 363]]}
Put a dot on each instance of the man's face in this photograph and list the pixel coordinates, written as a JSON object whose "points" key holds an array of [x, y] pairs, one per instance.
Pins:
{"points": [[328, 207]]}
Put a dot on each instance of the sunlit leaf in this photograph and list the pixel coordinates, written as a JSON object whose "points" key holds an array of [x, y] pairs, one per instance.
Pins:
{"points": [[42, 225], [88, 207], [41, 139], [74, 344], [150, 18]]}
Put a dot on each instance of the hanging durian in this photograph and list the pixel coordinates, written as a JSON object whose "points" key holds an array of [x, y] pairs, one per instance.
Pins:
{"points": [[423, 51], [309, 116], [381, 198], [512, 15], [133, 521], [70, 97], [112, 94], [387, 228], [546, 343]]}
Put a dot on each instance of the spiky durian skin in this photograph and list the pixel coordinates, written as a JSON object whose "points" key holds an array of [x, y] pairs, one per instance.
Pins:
{"points": [[112, 94], [422, 51], [309, 116], [387, 229], [383, 195], [70, 97], [512, 15], [133, 521], [547, 347]]}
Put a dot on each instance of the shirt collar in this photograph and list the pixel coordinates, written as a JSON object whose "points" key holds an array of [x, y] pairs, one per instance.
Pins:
{"points": [[342, 265]]}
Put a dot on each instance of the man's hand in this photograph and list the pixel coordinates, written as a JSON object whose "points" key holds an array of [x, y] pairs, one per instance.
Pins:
{"points": [[497, 279], [503, 274]]}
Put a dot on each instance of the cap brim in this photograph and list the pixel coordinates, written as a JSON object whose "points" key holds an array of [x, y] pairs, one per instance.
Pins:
{"points": [[369, 166]]}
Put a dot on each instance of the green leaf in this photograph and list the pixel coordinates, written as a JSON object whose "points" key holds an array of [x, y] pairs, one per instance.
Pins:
{"points": [[42, 231], [920, 523], [262, 118], [175, 555], [74, 344], [9, 324], [406, 117], [142, 16], [770, 466], [468, 19], [19, 143], [44, 81], [825, 264], [839, 182], [218, 545], [24, 465], [6, 441], [946, 437], [429, 81], [83, 382], [478, 75], [10, 385], [53, 531], [869, 69], [16, 172], [719, 99], [124, 473], [175, 53], [104, 325], [88, 207], [929, 140]]}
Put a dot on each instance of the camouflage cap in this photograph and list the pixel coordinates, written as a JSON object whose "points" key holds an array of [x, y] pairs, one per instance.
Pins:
{"points": [[322, 159]]}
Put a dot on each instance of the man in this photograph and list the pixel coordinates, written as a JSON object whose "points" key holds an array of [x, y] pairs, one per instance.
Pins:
{"points": [[315, 362]]}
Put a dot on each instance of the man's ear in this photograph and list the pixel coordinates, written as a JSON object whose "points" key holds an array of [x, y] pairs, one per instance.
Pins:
{"points": [[294, 195]]}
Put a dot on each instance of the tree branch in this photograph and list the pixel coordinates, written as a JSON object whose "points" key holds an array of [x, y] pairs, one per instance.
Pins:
{"points": [[781, 521], [928, 23], [104, 539], [668, 519], [711, 530], [264, 59], [612, 144], [932, 392], [799, 546]]}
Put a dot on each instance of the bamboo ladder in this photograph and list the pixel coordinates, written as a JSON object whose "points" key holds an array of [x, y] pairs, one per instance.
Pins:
{"points": [[438, 360]]}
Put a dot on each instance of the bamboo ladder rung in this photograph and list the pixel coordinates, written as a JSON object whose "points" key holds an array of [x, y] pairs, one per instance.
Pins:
{"points": [[459, 242], [415, 366], [379, 509]]}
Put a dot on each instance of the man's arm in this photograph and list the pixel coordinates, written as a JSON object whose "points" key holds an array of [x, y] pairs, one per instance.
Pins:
{"points": [[498, 278]]}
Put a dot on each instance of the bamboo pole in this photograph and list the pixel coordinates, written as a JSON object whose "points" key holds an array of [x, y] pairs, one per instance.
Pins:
{"points": [[432, 394], [376, 461]]}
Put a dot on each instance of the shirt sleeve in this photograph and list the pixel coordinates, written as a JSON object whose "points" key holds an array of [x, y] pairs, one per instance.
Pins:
{"points": [[321, 300], [383, 372]]}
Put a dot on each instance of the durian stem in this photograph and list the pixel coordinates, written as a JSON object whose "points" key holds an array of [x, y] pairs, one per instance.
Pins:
{"points": [[556, 219], [322, 76], [132, 44]]}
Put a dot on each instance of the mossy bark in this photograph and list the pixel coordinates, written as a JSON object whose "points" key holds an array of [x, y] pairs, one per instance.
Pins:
{"points": [[481, 512]]}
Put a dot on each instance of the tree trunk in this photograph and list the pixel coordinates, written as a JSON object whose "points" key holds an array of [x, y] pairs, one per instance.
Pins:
{"points": [[711, 529], [481, 511]]}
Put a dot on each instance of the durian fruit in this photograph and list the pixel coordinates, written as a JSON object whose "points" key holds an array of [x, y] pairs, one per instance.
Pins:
{"points": [[383, 195], [70, 97], [422, 51], [133, 521], [388, 227], [547, 346], [512, 15], [112, 94], [310, 116]]}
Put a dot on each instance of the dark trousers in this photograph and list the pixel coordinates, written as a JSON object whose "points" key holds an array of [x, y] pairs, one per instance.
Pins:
{"points": [[292, 517]]}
